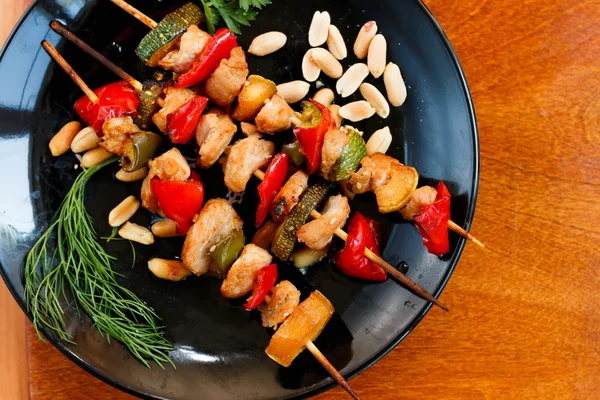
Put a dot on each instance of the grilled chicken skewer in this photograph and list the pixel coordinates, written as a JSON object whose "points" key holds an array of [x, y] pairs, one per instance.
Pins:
{"points": [[92, 96], [152, 24], [407, 282]]}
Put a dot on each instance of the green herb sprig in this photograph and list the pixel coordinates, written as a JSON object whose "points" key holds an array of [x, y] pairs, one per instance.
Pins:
{"points": [[79, 265], [235, 13]]}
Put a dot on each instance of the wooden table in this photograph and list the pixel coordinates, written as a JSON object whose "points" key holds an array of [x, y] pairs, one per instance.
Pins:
{"points": [[525, 319]]}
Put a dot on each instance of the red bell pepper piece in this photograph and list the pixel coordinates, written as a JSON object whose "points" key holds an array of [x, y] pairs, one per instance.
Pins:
{"points": [[263, 283], [433, 222], [180, 201], [181, 123], [311, 138], [218, 47], [363, 233], [116, 99], [271, 184]]}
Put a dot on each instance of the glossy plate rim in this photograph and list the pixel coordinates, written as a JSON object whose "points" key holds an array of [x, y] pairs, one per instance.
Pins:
{"points": [[378, 356]]}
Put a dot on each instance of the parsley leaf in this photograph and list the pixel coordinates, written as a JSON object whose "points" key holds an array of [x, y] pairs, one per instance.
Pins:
{"points": [[235, 13], [246, 4]]}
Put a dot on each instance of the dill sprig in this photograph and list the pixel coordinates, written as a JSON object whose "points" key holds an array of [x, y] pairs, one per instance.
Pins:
{"points": [[78, 265]]}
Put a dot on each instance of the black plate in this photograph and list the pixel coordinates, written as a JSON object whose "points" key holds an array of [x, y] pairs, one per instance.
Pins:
{"points": [[220, 347]]}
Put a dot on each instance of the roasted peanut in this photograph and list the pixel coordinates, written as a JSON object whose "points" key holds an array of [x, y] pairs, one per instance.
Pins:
{"points": [[327, 63], [172, 270], [61, 142], [319, 28], [165, 228], [363, 40], [357, 111], [375, 99], [324, 96], [377, 55], [293, 92], [85, 140], [122, 212], [136, 233], [394, 85], [335, 113], [95, 157], [336, 44], [310, 70], [136, 175], [267, 43], [379, 142], [351, 80]]}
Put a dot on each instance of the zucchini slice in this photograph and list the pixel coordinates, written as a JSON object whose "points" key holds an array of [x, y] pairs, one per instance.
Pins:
{"points": [[147, 107], [350, 158], [156, 44], [284, 241]]}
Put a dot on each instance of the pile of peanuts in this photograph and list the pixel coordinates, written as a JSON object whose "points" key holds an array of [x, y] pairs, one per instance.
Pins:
{"points": [[84, 143], [368, 44]]}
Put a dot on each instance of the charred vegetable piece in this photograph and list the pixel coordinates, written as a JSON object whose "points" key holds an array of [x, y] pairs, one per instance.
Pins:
{"points": [[350, 158], [141, 149], [294, 150], [433, 222], [316, 121], [182, 123], [304, 325], [180, 201], [226, 252], [116, 99], [218, 48], [252, 98], [396, 192], [147, 107], [271, 185], [284, 241], [264, 235], [305, 257], [263, 283], [162, 39]]}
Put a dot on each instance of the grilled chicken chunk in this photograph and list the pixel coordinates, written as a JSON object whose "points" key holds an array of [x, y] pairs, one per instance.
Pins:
{"points": [[117, 132], [274, 116], [223, 86], [422, 196], [289, 195], [375, 171], [249, 129], [191, 45], [333, 145], [169, 166], [213, 134], [245, 156], [240, 277], [174, 98], [319, 232], [216, 222], [279, 304]]}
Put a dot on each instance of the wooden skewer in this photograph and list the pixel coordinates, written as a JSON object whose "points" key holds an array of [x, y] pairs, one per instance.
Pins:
{"points": [[137, 85], [459, 229], [413, 286], [70, 71], [60, 29], [331, 369], [137, 14]]}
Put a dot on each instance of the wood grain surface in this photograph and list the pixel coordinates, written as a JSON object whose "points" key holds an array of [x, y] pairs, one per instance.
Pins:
{"points": [[524, 320]]}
